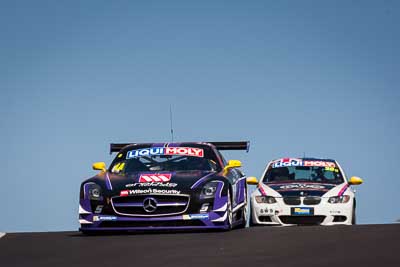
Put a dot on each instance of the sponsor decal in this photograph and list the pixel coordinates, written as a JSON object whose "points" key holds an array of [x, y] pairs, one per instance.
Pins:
{"points": [[156, 151], [124, 193], [331, 169], [196, 216], [104, 218], [152, 184], [302, 187], [286, 162], [130, 192], [153, 177], [313, 163], [98, 209]]}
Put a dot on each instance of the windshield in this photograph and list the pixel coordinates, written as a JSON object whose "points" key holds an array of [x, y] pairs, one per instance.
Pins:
{"points": [[303, 174], [165, 159]]}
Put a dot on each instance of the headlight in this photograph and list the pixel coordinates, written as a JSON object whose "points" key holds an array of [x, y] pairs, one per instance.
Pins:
{"points": [[265, 199], [93, 191], [209, 189], [339, 199]]}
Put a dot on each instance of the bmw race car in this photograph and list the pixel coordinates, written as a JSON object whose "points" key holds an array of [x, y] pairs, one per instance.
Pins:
{"points": [[166, 186], [300, 191]]}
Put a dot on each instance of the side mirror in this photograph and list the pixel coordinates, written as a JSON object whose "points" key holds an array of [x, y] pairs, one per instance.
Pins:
{"points": [[355, 180], [99, 166], [232, 164], [251, 180]]}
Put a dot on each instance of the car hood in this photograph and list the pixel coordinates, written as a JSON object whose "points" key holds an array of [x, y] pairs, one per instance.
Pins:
{"points": [[167, 182], [300, 189]]}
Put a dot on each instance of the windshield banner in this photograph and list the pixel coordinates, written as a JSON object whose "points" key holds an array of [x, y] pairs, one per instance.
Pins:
{"points": [[157, 151], [287, 162]]}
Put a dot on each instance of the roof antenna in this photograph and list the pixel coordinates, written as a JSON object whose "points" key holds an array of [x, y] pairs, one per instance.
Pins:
{"points": [[170, 118]]}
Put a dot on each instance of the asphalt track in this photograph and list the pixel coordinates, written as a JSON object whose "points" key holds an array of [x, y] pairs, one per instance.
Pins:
{"points": [[361, 245]]}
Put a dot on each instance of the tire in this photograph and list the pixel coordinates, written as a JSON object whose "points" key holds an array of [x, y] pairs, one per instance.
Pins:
{"points": [[353, 217], [229, 216], [244, 212], [251, 222]]}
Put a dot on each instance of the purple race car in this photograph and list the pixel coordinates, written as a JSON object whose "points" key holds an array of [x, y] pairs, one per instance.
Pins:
{"points": [[165, 186]]}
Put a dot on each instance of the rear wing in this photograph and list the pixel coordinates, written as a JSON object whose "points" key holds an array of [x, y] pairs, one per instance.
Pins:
{"points": [[118, 147], [239, 145]]}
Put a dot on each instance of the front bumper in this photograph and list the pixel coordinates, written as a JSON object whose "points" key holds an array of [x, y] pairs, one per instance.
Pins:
{"points": [[280, 213], [91, 218], [99, 222], [109, 215]]}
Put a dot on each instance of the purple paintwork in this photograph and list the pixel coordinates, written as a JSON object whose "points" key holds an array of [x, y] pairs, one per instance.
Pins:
{"points": [[201, 180], [241, 187], [219, 200], [112, 185], [108, 182], [208, 222]]}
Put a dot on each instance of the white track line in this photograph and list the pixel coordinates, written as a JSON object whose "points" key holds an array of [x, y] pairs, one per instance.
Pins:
{"points": [[2, 234]]}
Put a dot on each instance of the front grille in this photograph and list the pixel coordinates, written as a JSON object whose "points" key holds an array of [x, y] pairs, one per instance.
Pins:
{"points": [[122, 224], [311, 200], [302, 220], [166, 205], [292, 200]]}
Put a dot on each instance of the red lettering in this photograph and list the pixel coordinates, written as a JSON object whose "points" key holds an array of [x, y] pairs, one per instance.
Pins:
{"points": [[189, 151], [319, 164]]}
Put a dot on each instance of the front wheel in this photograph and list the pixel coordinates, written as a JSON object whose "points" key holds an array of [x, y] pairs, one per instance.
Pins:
{"points": [[353, 217], [229, 216], [244, 212], [251, 222]]}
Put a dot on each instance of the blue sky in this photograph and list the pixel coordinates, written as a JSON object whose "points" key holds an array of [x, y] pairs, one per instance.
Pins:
{"points": [[293, 77]]}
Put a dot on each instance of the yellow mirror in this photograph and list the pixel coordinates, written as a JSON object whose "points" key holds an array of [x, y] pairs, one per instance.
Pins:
{"points": [[355, 180], [252, 180], [99, 166], [232, 164]]}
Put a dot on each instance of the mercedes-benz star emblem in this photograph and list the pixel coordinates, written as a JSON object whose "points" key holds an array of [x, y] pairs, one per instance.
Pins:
{"points": [[149, 204]]}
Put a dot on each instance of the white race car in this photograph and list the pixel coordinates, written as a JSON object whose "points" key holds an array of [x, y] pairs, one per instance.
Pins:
{"points": [[302, 191]]}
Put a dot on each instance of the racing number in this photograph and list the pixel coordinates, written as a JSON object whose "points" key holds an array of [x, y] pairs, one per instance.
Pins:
{"points": [[118, 167], [331, 169]]}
